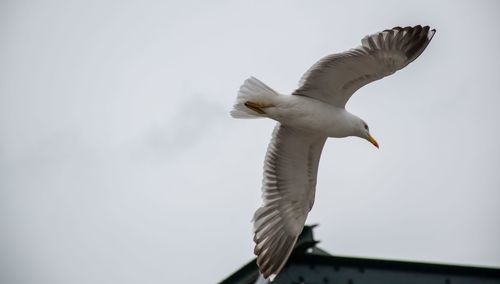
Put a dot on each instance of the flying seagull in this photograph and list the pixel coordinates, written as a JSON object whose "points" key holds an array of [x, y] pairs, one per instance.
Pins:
{"points": [[314, 112]]}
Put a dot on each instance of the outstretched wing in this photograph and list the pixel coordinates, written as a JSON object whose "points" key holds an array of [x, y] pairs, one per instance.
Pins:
{"points": [[334, 78], [289, 183]]}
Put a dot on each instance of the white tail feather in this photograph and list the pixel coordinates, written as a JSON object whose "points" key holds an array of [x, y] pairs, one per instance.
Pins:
{"points": [[252, 90]]}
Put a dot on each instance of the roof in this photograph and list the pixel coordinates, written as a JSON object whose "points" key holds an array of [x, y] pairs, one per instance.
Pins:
{"points": [[311, 264]]}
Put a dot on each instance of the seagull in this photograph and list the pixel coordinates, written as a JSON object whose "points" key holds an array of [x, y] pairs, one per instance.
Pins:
{"points": [[305, 119]]}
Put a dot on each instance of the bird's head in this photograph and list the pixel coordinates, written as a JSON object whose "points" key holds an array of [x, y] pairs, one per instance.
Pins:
{"points": [[363, 131]]}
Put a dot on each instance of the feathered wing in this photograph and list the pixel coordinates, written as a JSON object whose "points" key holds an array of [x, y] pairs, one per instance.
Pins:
{"points": [[334, 78], [289, 183]]}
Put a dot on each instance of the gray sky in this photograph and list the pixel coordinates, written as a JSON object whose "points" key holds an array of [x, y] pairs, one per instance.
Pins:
{"points": [[119, 162]]}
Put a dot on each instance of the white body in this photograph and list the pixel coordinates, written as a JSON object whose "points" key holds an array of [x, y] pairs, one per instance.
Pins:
{"points": [[311, 115]]}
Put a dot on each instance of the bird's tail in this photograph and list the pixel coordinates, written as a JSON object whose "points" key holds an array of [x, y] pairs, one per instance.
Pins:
{"points": [[253, 99]]}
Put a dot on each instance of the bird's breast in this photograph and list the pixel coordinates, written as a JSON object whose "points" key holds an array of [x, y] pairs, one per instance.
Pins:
{"points": [[313, 116]]}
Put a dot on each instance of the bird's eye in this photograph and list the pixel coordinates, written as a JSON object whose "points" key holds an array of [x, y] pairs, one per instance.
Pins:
{"points": [[366, 127]]}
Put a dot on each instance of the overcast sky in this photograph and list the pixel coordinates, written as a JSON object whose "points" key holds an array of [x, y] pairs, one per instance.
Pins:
{"points": [[120, 164]]}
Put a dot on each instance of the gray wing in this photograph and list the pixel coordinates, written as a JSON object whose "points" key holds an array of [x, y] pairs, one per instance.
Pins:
{"points": [[289, 183], [334, 78]]}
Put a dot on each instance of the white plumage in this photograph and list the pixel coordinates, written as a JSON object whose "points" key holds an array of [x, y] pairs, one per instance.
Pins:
{"points": [[314, 112]]}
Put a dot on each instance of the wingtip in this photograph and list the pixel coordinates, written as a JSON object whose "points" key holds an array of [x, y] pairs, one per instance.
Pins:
{"points": [[272, 277], [431, 33]]}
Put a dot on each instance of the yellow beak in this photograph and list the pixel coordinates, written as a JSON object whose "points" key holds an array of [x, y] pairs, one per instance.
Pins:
{"points": [[372, 140]]}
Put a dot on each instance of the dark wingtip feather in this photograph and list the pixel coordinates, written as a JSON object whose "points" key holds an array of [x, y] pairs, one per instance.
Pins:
{"points": [[411, 40], [419, 42], [431, 34]]}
